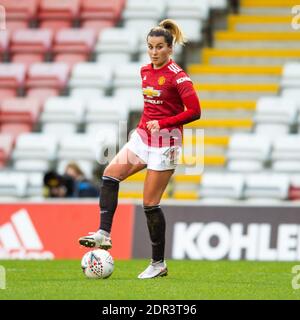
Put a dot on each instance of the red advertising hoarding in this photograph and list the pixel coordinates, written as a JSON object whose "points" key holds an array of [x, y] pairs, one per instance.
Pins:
{"points": [[51, 230]]}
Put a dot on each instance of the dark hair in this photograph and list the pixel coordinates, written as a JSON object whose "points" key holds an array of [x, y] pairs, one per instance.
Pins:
{"points": [[170, 30]]}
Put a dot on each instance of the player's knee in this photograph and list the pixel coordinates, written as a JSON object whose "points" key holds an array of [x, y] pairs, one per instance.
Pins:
{"points": [[150, 203], [111, 173]]}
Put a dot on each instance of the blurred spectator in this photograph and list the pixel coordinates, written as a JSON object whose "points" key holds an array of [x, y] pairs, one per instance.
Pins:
{"points": [[58, 186], [82, 186]]}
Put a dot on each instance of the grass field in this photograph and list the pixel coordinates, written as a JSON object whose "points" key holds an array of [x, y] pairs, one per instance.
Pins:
{"points": [[186, 280]]}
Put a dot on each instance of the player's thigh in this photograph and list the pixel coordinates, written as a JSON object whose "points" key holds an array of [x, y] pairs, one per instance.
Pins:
{"points": [[155, 185], [124, 164]]}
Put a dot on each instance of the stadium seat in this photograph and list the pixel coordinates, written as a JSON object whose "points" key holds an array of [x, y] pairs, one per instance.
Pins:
{"points": [[55, 25], [192, 28], [42, 93], [6, 145], [63, 110], [127, 76], [20, 10], [97, 25], [91, 75], [286, 153], [80, 147], [74, 41], [144, 9], [48, 75], [35, 146], [58, 9], [264, 185], [290, 75], [59, 129], [87, 93], [107, 132], [13, 184], [101, 10], [26, 58], [117, 40], [192, 9], [12, 75], [31, 41], [133, 96], [106, 109], [13, 25], [35, 184], [221, 185], [113, 59], [275, 115], [248, 152], [70, 58], [4, 40], [15, 129], [294, 191], [7, 93], [20, 110]]}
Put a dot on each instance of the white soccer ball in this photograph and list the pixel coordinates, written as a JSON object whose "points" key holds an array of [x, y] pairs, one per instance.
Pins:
{"points": [[97, 264]]}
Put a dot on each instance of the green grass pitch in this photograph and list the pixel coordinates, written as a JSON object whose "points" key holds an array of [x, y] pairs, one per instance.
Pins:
{"points": [[199, 280]]}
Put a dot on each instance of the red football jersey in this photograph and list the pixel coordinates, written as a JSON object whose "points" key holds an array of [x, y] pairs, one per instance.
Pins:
{"points": [[165, 91]]}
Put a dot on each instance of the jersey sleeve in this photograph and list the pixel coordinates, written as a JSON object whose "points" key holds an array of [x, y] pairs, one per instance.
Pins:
{"points": [[183, 84]]}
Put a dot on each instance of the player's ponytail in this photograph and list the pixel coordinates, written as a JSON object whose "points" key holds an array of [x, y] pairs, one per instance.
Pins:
{"points": [[175, 30], [170, 30]]}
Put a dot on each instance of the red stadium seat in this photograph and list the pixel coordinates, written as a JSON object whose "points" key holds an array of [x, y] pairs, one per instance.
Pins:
{"points": [[31, 41], [71, 58], [20, 10], [7, 93], [15, 129], [42, 94], [20, 110], [101, 9], [13, 25], [74, 41], [27, 59], [55, 25], [48, 75], [6, 145], [4, 40], [59, 9], [97, 25], [12, 75]]}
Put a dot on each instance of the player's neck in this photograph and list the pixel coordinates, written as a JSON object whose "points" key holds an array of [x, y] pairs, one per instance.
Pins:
{"points": [[161, 66]]}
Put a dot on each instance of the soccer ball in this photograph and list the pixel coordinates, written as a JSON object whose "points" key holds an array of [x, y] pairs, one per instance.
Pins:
{"points": [[97, 264]]}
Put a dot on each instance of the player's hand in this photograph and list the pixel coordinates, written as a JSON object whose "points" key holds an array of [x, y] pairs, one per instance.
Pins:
{"points": [[153, 126]]}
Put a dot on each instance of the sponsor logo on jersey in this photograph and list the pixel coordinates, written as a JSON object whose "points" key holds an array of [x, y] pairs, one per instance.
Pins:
{"points": [[151, 92], [161, 80], [154, 101], [180, 80]]}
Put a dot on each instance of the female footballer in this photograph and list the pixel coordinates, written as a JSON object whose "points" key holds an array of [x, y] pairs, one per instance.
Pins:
{"points": [[170, 101]]}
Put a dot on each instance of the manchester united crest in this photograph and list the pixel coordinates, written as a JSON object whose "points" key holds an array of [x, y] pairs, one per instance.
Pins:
{"points": [[161, 80]]}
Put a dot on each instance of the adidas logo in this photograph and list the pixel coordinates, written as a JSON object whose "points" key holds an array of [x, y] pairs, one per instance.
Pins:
{"points": [[20, 240]]}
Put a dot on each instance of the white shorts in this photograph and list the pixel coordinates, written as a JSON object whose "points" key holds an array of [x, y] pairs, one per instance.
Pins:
{"points": [[158, 159]]}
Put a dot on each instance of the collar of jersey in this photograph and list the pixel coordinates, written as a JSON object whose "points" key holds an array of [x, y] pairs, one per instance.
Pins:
{"points": [[162, 68]]}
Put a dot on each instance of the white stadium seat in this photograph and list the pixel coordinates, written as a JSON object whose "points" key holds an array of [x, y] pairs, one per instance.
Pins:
{"points": [[13, 184], [91, 75], [248, 152], [59, 129], [144, 9], [188, 9], [117, 40], [290, 75], [275, 115], [63, 109], [128, 76], [266, 185], [221, 185], [35, 146], [286, 154], [113, 58], [86, 94]]}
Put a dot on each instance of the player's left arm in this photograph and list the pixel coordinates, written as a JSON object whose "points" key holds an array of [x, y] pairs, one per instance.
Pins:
{"points": [[190, 100]]}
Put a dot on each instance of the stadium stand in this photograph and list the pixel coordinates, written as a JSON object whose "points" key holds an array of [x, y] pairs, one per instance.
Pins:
{"points": [[69, 73]]}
